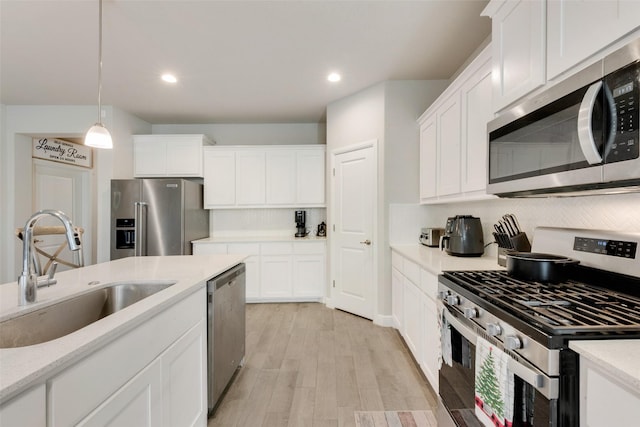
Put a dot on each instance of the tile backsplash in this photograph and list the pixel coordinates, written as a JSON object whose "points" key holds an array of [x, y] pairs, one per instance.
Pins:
{"points": [[260, 222], [608, 212]]}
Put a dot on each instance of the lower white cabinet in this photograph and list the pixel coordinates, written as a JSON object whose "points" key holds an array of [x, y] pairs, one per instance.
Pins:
{"points": [[605, 401], [276, 276], [278, 271], [397, 286], [413, 318], [137, 403], [414, 312], [27, 409], [153, 375]]}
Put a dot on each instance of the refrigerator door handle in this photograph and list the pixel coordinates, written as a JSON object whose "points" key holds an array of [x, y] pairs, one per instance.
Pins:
{"points": [[140, 219]]}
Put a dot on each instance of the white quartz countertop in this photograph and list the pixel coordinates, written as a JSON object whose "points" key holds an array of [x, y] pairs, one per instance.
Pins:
{"points": [[25, 366], [618, 358], [437, 261], [258, 239]]}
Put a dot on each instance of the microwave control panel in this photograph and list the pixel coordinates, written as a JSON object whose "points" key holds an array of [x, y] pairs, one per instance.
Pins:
{"points": [[625, 91]]}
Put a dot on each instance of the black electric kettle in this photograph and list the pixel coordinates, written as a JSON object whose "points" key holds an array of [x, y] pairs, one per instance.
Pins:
{"points": [[463, 236]]}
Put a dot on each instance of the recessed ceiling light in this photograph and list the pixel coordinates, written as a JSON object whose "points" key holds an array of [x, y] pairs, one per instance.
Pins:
{"points": [[334, 77], [169, 78]]}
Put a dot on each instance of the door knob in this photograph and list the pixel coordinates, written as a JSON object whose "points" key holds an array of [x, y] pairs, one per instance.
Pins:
{"points": [[366, 242]]}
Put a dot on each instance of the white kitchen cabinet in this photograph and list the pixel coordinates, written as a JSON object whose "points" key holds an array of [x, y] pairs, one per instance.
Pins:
{"points": [[137, 403], [605, 401], [278, 271], [476, 112], [169, 155], [309, 269], [252, 266], [449, 146], [397, 299], [86, 392], [430, 361], [428, 158], [413, 323], [281, 177], [310, 173], [453, 137], [264, 176], [250, 178], [219, 178], [577, 30], [27, 409], [183, 371], [276, 279], [414, 311], [518, 48]]}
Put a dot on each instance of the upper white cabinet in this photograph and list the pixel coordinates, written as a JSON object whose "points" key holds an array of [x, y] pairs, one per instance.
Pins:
{"points": [[453, 137], [475, 113], [168, 155], [264, 177], [518, 40], [428, 157], [541, 41], [576, 30]]}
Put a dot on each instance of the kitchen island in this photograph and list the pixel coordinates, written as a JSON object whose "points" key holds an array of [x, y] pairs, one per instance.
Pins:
{"points": [[82, 373]]}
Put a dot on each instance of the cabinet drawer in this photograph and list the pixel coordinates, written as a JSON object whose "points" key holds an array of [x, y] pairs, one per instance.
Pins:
{"points": [[412, 271], [308, 247], [209, 248], [429, 284], [244, 248], [276, 248]]}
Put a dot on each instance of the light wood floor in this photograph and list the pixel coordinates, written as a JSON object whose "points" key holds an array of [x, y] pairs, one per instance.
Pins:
{"points": [[310, 366]]}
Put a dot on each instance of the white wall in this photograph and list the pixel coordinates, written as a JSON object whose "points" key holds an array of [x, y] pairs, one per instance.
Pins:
{"points": [[21, 123], [261, 222], [386, 112], [606, 212], [253, 133]]}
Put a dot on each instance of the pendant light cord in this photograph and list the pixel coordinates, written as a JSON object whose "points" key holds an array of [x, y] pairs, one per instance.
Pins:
{"points": [[100, 62]]}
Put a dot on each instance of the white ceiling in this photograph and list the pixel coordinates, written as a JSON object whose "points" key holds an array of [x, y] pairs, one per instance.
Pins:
{"points": [[236, 61]]}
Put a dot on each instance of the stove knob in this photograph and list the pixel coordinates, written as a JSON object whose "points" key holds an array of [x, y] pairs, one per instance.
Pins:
{"points": [[493, 329], [470, 312], [453, 300], [512, 342]]}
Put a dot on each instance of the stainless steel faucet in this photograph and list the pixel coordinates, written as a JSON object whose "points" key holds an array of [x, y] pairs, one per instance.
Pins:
{"points": [[28, 282]]}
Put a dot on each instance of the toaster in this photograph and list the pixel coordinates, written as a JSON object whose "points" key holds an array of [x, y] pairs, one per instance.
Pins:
{"points": [[431, 236]]}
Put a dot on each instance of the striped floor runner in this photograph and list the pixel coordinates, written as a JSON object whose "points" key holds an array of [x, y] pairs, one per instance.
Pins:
{"points": [[395, 419]]}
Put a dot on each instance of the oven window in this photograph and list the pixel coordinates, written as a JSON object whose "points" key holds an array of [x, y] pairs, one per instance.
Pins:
{"points": [[457, 391], [543, 142]]}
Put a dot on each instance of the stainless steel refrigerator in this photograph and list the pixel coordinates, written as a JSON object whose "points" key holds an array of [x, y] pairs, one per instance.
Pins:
{"points": [[156, 216]]}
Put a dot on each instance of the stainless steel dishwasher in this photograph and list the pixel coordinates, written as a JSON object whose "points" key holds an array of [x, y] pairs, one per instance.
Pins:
{"points": [[225, 329]]}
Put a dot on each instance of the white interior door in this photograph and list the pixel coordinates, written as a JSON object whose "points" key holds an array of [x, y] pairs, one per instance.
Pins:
{"points": [[354, 187], [65, 188]]}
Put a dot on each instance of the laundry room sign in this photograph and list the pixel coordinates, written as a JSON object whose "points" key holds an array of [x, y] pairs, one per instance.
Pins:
{"points": [[62, 151]]}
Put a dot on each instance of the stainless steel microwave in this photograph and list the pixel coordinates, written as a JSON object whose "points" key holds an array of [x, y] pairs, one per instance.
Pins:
{"points": [[581, 135]]}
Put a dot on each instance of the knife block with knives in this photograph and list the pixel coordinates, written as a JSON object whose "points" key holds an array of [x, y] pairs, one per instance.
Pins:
{"points": [[509, 237]]}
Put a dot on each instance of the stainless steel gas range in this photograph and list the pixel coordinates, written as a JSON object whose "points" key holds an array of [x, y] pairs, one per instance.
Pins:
{"points": [[528, 326]]}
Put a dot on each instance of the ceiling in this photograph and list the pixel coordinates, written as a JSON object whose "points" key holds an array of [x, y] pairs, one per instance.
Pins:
{"points": [[236, 61]]}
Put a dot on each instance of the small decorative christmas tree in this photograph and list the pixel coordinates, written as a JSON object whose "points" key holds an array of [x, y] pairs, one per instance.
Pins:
{"points": [[488, 388]]}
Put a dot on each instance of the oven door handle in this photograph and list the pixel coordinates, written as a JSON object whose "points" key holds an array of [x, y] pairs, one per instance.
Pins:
{"points": [[465, 331], [548, 387]]}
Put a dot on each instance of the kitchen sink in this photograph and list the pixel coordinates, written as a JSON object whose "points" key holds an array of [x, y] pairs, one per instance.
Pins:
{"points": [[60, 319]]}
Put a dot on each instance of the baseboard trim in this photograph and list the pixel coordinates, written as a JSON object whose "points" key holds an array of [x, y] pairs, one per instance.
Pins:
{"points": [[383, 320]]}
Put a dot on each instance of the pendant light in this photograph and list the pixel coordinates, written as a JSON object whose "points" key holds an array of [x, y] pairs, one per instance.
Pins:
{"points": [[98, 136]]}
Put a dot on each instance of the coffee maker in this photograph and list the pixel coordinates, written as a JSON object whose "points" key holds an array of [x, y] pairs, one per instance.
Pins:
{"points": [[301, 223]]}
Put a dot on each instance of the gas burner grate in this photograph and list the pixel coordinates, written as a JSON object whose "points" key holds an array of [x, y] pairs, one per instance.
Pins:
{"points": [[562, 308]]}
